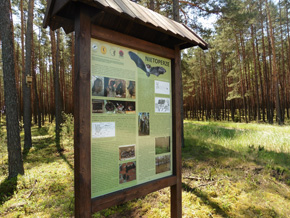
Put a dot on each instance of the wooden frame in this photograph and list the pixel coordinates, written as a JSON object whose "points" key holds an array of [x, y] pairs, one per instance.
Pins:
{"points": [[84, 205]]}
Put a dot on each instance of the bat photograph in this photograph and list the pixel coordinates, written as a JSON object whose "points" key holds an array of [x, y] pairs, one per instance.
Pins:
{"points": [[146, 67]]}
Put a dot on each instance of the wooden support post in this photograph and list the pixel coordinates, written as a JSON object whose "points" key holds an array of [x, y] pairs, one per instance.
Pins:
{"points": [[82, 114], [176, 193]]}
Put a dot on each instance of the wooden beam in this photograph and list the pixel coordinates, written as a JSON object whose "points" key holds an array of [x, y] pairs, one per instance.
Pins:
{"points": [[58, 5], [131, 193], [176, 190], [66, 24], [50, 4], [82, 114], [131, 42]]}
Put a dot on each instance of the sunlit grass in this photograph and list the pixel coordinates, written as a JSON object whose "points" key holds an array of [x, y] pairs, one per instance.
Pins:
{"points": [[241, 136], [46, 188], [229, 170]]}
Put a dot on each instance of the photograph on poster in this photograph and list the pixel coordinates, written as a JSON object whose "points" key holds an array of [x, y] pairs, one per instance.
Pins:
{"points": [[131, 90], [162, 87], [97, 106], [97, 86], [162, 163], [119, 107], [127, 172], [162, 105], [158, 70], [103, 129], [143, 124], [162, 145], [127, 152], [115, 88]]}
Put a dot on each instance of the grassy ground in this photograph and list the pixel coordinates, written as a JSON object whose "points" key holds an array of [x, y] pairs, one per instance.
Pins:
{"points": [[229, 170]]}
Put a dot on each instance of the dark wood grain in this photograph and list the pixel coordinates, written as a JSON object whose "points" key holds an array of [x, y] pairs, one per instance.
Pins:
{"points": [[49, 8], [131, 193], [131, 42], [82, 119], [58, 5], [176, 193], [68, 27]]}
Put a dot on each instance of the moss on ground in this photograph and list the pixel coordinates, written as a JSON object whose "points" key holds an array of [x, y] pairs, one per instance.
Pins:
{"points": [[229, 170]]}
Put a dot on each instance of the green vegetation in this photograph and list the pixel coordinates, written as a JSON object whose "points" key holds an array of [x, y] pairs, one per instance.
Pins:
{"points": [[229, 170], [237, 170], [161, 150]]}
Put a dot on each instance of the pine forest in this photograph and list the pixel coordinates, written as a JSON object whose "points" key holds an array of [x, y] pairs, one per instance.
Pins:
{"points": [[235, 112], [243, 76]]}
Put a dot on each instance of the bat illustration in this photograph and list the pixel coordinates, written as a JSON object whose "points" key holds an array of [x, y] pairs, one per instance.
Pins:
{"points": [[146, 68]]}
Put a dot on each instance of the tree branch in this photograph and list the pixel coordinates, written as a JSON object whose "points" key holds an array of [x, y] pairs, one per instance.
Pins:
{"points": [[200, 8]]}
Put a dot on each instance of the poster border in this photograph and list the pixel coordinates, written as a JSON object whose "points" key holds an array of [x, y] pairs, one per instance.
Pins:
{"points": [[84, 204]]}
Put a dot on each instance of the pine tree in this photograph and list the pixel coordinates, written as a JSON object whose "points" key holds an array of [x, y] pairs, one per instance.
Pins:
{"points": [[15, 161], [25, 86]]}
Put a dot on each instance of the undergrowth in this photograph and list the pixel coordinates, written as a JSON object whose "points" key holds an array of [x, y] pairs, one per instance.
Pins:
{"points": [[229, 170]]}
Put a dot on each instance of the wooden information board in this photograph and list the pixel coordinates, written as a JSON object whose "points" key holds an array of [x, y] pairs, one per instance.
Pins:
{"points": [[131, 117], [127, 100], [127, 129]]}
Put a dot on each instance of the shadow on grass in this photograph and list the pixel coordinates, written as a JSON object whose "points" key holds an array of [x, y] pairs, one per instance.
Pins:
{"points": [[121, 210], [60, 150], [46, 149], [7, 189], [213, 130], [259, 212], [277, 162], [204, 149], [41, 152], [66, 160], [205, 199]]}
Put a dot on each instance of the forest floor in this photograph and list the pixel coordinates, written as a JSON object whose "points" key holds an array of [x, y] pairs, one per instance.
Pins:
{"points": [[229, 170]]}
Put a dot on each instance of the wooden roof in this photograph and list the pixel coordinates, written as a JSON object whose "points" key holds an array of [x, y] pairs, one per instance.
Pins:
{"points": [[126, 17]]}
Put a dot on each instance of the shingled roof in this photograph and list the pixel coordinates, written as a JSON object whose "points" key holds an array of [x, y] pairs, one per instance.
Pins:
{"points": [[126, 17]]}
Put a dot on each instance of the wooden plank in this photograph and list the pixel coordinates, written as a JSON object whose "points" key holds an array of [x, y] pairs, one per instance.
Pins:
{"points": [[58, 5], [190, 34], [176, 191], [171, 23], [155, 17], [124, 7], [131, 42], [82, 119], [178, 27], [131, 6], [146, 16], [198, 39], [103, 2], [114, 6], [120, 197]]}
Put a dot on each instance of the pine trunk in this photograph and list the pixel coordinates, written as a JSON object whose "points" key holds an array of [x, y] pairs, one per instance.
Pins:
{"points": [[26, 88], [256, 76], [15, 162], [265, 71], [275, 73], [57, 94]]}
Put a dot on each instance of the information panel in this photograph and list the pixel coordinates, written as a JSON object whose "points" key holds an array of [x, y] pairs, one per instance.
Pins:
{"points": [[131, 117]]}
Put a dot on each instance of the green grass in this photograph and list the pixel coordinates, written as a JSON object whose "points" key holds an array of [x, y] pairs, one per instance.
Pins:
{"points": [[161, 150], [229, 170], [46, 189], [246, 167]]}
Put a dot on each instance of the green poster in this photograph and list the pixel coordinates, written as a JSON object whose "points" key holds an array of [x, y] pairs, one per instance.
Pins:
{"points": [[131, 117]]}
